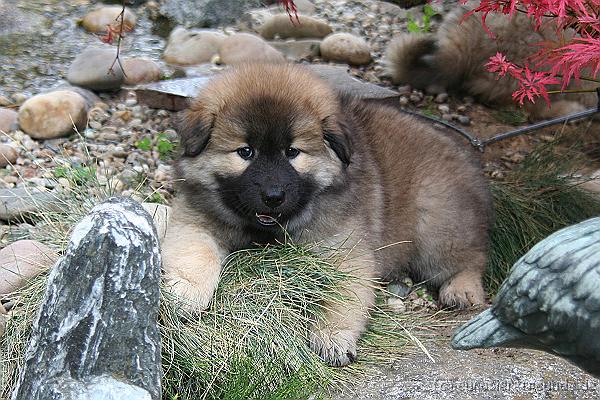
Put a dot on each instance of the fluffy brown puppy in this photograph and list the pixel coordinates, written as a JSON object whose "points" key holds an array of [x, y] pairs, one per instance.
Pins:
{"points": [[454, 58], [266, 146]]}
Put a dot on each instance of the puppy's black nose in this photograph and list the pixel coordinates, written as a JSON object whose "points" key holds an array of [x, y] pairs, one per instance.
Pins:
{"points": [[273, 197]]}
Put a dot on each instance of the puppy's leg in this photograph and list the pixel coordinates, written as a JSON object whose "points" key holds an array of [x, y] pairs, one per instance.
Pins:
{"points": [[334, 336], [464, 289], [192, 261]]}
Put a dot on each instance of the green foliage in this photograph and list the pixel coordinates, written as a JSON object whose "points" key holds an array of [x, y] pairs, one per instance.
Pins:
{"points": [[80, 175], [511, 116], [536, 199], [424, 25], [145, 144], [162, 145]]}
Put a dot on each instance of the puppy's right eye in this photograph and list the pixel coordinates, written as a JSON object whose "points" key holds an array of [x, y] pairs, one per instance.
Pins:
{"points": [[246, 152]]}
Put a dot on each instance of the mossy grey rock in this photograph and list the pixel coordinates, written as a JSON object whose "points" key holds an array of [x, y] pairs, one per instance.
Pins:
{"points": [[96, 334]]}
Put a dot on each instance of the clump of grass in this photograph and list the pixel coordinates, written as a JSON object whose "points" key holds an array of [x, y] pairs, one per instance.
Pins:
{"points": [[511, 116], [537, 198], [251, 342]]}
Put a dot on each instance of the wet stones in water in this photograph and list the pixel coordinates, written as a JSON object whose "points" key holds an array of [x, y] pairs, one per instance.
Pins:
{"points": [[346, 48], [141, 70], [245, 47], [111, 302], [206, 13], [189, 47], [92, 69], [96, 21], [282, 27], [8, 120], [52, 115], [21, 261]]}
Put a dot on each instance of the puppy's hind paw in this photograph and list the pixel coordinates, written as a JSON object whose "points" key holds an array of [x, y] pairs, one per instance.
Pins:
{"points": [[462, 291], [336, 348]]}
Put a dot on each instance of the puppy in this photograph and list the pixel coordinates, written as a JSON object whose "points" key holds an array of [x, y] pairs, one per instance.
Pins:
{"points": [[266, 146]]}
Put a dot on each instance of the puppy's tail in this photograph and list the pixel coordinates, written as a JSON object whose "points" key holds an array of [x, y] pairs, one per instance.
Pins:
{"points": [[412, 58]]}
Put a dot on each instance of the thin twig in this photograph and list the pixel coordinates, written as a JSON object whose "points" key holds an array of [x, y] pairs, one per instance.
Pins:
{"points": [[117, 59]]}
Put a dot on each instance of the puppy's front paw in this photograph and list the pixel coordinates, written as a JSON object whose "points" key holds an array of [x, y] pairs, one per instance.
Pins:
{"points": [[336, 347], [196, 297]]}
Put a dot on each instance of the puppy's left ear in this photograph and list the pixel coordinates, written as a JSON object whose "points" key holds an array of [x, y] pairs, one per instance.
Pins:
{"points": [[336, 133]]}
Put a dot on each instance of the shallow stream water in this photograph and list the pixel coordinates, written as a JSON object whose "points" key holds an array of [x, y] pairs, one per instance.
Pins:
{"points": [[42, 40]]}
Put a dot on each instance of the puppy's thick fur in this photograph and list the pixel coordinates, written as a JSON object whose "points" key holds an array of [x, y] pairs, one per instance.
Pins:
{"points": [[454, 58], [330, 169]]}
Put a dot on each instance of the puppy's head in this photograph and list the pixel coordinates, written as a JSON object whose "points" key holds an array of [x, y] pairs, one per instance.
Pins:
{"points": [[265, 139]]}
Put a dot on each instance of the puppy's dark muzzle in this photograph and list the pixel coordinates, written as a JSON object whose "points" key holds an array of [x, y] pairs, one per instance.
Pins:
{"points": [[273, 197]]}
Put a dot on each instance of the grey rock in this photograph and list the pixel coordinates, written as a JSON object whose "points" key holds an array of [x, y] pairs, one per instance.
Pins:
{"points": [[8, 120], [19, 202], [463, 119], [398, 289], [441, 98], [298, 49], [444, 108], [206, 13], [280, 25], [96, 334], [22, 260], [346, 48], [175, 94], [550, 301], [195, 46], [340, 80], [171, 94], [92, 69], [90, 97], [242, 48]]}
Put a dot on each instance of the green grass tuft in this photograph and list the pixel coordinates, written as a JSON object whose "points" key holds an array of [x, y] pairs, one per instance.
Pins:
{"points": [[537, 198]]}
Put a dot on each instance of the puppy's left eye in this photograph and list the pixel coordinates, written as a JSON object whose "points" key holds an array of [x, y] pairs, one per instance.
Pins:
{"points": [[292, 152]]}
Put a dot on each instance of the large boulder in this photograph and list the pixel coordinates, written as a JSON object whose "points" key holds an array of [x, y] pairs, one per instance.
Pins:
{"points": [[96, 335], [206, 13], [194, 46], [51, 115]]}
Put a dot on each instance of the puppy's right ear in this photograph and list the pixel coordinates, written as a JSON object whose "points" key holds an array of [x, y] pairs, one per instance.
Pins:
{"points": [[194, 128]]}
